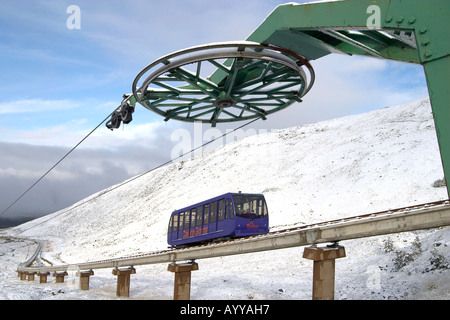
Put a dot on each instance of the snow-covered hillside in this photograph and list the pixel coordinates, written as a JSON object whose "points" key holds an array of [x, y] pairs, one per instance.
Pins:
{"points": [[358, 164]]}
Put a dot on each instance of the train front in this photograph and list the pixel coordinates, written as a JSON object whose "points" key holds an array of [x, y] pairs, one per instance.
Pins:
{"points": [[252, 216]]}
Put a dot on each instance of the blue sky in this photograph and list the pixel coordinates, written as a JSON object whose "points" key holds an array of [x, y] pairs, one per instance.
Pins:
{"points": [[53, 75], [57, 84]]}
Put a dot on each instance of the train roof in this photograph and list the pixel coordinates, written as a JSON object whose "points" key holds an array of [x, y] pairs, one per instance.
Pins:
{"points": [[228, 194]]}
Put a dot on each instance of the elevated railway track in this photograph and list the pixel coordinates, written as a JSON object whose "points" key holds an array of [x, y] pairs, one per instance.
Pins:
{"points": [[426, 216]]}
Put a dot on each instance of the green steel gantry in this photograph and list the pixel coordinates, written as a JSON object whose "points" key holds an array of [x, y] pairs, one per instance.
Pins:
{"points": [[270, 71], [414, 31]]}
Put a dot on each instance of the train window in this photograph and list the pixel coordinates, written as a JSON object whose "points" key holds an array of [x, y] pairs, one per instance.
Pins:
{"points": [[263, 207], [199, 216], [193, 217], [230, 209], [213, 212], [175, 223], [221, 211], [250, 206], [206, 214], [186, 220], [181, 218]]}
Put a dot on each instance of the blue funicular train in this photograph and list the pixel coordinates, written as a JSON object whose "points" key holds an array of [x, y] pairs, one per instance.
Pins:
{"points": [[226, 216]]}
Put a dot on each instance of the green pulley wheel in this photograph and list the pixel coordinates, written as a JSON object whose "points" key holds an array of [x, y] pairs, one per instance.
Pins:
{"points": [[223, 82]]}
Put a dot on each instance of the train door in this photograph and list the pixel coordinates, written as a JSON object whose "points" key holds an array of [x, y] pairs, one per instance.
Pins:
{"points": [[224, 213]]}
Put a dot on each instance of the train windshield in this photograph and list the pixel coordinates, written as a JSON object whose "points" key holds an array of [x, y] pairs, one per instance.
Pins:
{"points": [[250, 206]]}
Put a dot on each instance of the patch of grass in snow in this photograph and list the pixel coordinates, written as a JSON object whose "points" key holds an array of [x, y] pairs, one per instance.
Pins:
{"points": [[402, 258]]}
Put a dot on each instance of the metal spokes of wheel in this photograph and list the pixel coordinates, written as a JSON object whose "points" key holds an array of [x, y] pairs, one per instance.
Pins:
{"points": [[223, 82]]}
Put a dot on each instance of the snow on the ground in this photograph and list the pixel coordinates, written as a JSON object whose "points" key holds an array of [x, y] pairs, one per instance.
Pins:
{"points": [[358, 164]]}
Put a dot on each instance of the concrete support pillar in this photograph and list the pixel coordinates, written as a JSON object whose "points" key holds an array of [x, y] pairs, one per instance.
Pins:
{"points": [[31, 276], [324, 269], [182, 286], [84, 279], [22, 275], [43, 277], [123, 281], [60, 276]]}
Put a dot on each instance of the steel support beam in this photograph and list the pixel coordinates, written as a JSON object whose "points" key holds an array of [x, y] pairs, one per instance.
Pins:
{"points": [[417, 32], [438, 74]]}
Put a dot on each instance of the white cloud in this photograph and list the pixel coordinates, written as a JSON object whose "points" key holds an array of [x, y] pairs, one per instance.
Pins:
{"points": [[160, 27], [36, 105], [59, 135], [344, 65], [19, 173]]}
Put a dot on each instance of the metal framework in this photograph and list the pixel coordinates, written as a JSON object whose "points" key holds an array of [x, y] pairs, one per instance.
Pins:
{"points": [[252, 81], [413, 31], [263, 75]]}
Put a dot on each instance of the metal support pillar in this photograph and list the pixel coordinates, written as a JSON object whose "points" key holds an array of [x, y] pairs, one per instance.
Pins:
{"points": [[437, 73], [84, 279], [123, 281], [43, 277], [60, 276], [324, 270], [182, 285]]}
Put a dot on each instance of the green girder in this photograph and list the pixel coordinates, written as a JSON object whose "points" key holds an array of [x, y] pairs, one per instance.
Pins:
{"points": [[413, 31]]}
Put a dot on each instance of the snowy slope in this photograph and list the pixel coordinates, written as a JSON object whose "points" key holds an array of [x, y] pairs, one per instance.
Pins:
{"points": [[358, 164]]}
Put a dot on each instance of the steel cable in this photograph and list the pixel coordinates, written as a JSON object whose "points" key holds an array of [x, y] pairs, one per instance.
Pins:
{"points": [[53, 167]]}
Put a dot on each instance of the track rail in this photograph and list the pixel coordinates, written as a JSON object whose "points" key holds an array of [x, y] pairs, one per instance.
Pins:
{"points": [[35, 257], [426, 216]]}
